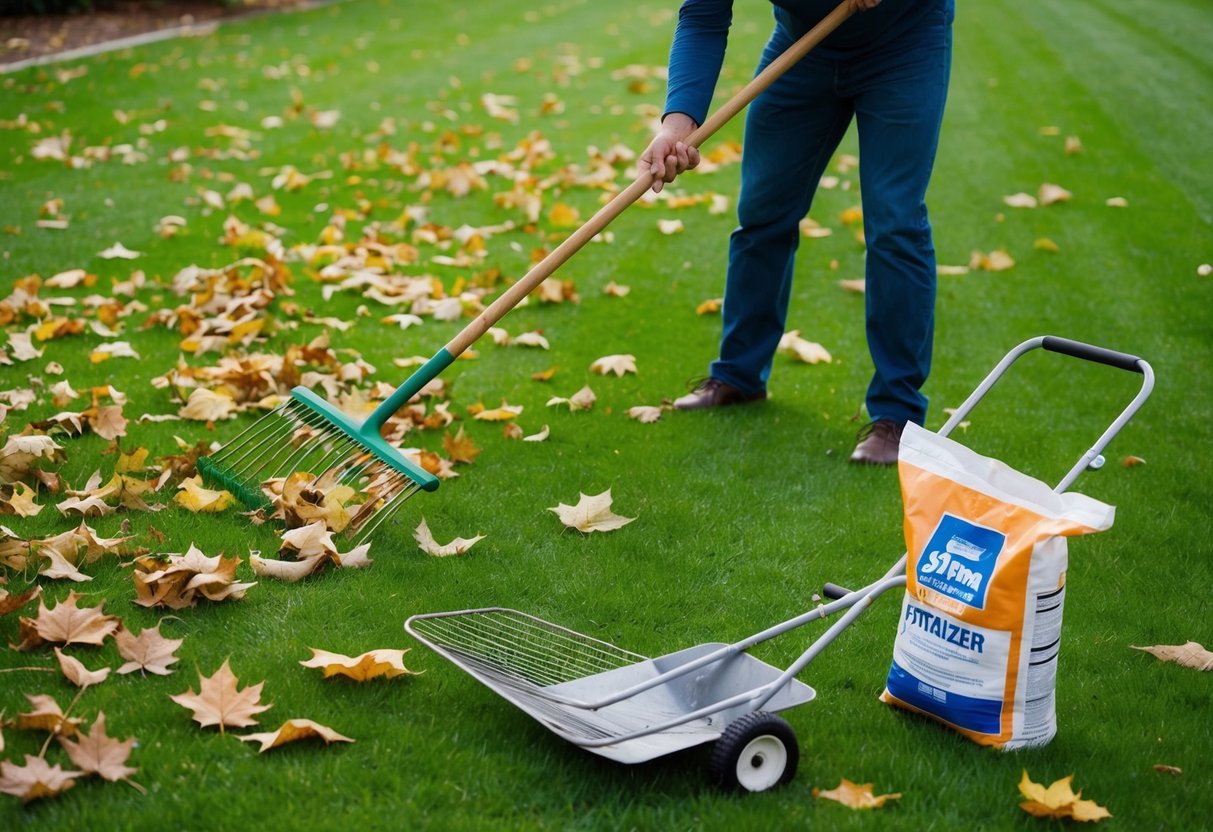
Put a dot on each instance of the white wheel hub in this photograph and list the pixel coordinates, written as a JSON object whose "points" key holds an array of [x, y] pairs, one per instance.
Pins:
{"points": [[761, 763]]}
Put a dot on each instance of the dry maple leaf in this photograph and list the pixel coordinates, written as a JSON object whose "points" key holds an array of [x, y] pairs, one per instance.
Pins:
{"points": [[1192, 654], [591, 514], [68, 623], [293, 730], [12, 603], [499, 414], [287, 571], [855, 795], [220, 701], [645, 414], [47, 716], [370, 665], [193, 496], [149, 651], [583, 399], [36, 779], [460, 447], [98, 753], [77, 673], [1058, 800], [425, 542], [617, 364]]}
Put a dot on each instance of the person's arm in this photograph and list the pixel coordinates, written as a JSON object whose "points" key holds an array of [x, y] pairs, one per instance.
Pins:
{"points": [[696, 56]]}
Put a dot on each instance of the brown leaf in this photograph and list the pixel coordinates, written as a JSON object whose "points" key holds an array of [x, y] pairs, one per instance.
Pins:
{"points": [[148, 651], [293, 730], [12, 603], [1192, 654], [77, 673], [98, 753], [1174, 771], [36, 779], [69, 624], [460, 447], [220, 701], [370, 665], [47, 716], [855, 795]]}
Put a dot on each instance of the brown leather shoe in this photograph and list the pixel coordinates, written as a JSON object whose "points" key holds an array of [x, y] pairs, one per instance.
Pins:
{"points": [[713, 392], [878, 443]]}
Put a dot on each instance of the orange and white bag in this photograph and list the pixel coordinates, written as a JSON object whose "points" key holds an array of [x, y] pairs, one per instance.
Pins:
{"points": [[980, 631]]}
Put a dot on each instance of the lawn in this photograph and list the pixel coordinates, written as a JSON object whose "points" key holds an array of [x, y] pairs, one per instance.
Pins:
{"points": [[383, 107]]}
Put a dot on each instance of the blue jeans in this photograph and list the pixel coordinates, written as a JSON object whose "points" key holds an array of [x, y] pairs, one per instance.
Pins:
{"points": [[896, 97]]}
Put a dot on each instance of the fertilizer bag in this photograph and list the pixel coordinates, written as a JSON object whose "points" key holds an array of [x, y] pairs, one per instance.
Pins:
{"points": [[980, 629]]}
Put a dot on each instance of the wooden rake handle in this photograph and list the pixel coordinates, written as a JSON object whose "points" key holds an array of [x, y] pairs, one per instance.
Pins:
{"points": [[542, 270]]}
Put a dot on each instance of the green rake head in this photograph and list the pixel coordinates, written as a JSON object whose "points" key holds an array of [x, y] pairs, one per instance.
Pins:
{"points": [[308, 434]]}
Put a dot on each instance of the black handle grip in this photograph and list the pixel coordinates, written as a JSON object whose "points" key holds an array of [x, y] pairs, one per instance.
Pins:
{"points": [[1088, 352], [834, 591]]}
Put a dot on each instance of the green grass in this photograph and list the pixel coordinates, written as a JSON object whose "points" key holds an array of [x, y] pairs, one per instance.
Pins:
{"points": [[741, 514]]}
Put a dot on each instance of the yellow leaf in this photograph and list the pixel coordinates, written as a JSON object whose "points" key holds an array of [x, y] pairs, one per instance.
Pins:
{"points": [[370, 665], [193, 496], [855, 795], [135, 461], [499, 414], [460, 448], [1045, 244], [1058, 800], [293, 730], [1050, 193], [564, 216], [709, 307]]}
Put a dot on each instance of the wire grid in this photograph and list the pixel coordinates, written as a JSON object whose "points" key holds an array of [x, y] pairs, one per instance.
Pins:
{"points": [[520, 657], [522, 646]]}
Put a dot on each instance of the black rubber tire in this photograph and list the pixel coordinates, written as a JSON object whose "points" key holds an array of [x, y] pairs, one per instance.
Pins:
{"points": [[750, 743]]}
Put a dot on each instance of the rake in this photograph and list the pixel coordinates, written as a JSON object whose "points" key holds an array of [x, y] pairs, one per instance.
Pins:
{"points": [[306, 433]]}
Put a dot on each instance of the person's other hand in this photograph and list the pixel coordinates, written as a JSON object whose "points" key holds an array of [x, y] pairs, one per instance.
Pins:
{"points": [[668, 154], [864, 5]]}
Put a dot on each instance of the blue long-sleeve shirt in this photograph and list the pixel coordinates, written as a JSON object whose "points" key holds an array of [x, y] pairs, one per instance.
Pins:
{"points": [[702, 32]]}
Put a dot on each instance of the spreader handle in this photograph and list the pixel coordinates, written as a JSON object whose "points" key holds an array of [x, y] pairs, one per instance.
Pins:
{"points": [[1090, 352]]}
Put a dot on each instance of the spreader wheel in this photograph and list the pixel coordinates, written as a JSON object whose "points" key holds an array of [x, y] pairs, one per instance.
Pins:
{"points": [[756, 752]]}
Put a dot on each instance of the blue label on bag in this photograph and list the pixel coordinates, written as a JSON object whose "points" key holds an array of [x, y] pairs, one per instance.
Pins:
{"points": [[958, 561]]}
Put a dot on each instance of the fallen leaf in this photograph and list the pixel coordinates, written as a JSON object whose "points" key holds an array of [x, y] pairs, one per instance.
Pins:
{"points": [[804, 350], [68, 623], [499, 414], [669, 227], [616, 290], [591, 514], [583, 399], [1058, 800], [47, 716], [1174, 771], [858, 286], [12, 603], [370, 665], [77, 673], [1116, 202], [855, 795], [1020, 200], [98, 753], [36, 779], [118, 251], [617, 364], [220, 701], [1132, 461], [293, 730], [460, 448], [425, 542], [1048, 193], [194, 496], [709, 307], [1192, 654], [288, 571], [541, 436], [149, 651], [645, 414]]}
